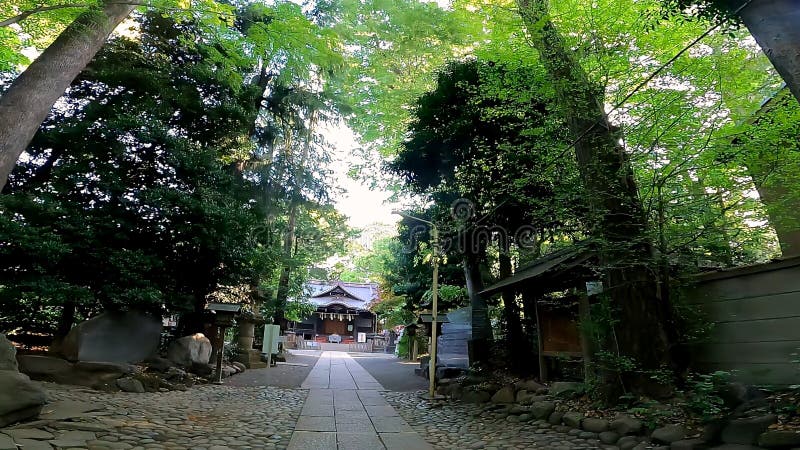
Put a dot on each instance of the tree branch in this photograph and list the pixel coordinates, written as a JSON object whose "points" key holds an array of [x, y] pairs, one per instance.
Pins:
{"points": [[27, 13]]}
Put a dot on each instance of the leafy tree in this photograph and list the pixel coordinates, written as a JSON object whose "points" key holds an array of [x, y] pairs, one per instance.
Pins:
{"points": [[773, 24], [486, 134]]}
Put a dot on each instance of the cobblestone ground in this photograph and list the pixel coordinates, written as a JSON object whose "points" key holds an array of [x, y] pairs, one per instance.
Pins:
{"points": [[465, 426], [204, 417]]}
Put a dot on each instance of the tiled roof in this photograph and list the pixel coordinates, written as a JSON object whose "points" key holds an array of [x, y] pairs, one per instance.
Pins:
{"points": [[351, 295]]}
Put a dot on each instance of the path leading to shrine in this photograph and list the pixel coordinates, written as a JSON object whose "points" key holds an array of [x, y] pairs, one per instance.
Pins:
{"points": [[345, 410]]}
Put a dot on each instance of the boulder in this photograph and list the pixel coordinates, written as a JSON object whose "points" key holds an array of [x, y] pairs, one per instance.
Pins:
{"points": [[608, 437], [82, 373], [472, 396], [124, 337], [504, 395], [566, 388], [20, 398], [747, 430], [625, 425], [688, 444], [543, 410], [594, 425], [779, 439], [130, 385], [8, 354], [572, 419], [555, 418], [668, 434], [105, 367], [627, 442], [529, 385], [46, 368], [189, 350]]}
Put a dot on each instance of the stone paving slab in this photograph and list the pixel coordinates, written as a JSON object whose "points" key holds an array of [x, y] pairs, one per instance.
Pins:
{"points": [[390, 425], [359, 441], [307, 440], [345, 405], [311, 423], [381, 411]]}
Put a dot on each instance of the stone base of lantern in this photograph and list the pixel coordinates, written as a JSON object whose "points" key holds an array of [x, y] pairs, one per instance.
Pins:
{"points": [[251, 359]]}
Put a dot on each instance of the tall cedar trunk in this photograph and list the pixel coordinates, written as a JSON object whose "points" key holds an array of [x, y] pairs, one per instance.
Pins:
{"points": [[283, 282], [617, 221], [32, 94], [289, 238], [481, 327], [518, 351], [775, 25]]}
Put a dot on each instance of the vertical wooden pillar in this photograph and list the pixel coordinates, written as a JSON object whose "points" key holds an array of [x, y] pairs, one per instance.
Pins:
{"points": [[540, 342], [586, 339]]}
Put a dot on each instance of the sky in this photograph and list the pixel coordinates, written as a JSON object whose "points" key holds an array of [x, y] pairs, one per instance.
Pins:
{"points": [[362, 205]]}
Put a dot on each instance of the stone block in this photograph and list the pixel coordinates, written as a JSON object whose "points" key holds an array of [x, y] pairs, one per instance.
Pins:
{"points": [[566, 389], [124, 337], [668, 434], [625, 425], [572, 419], [779, 439], [20, 398], [8, 354], [189, 350], [542, 410], [747, 430], [594, 425], [506, 394]]}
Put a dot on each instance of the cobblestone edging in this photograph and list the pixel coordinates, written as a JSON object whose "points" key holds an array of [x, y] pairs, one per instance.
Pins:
{"points": [[452, 425]]}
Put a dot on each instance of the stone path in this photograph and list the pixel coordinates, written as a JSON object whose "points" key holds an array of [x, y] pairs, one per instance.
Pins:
{"points": [[345, 410], [206, 417]]}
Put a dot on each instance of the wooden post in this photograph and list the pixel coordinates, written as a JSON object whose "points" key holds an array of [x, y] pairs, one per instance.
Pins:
{"points": [[586, 339], [220, 350], [540, 343]]}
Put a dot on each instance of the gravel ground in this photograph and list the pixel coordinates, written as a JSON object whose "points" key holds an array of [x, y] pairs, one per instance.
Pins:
{"points": [[392, 373], [207, 417], [285, 376], [464, 426]]}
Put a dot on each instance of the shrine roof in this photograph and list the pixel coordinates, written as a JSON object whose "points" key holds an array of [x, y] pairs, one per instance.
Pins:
{"points": [[351, 295]]}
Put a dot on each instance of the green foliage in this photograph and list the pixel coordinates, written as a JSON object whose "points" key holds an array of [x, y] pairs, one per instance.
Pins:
{"points": [[702, 393], [132, 193], [296, 310]]}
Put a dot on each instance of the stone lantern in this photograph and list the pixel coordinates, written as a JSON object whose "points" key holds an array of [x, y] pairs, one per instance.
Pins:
{"points": [[246, 354]]}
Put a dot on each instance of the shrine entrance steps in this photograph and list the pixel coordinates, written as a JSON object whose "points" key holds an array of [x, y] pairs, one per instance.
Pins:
{"points": [[344, 410]]}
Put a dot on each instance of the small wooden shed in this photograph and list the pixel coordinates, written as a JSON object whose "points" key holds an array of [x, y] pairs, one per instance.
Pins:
{"points": [[554, 291]]}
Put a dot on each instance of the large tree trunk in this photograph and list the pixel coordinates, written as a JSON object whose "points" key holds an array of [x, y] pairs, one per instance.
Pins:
{"points": [[772, 164], [617, 221], [775, 25], [282, 294], [26, 103], [521, 356], [481, 327]]}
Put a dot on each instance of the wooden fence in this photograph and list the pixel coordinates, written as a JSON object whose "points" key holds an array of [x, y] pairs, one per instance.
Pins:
{"points": [[755, 311]]}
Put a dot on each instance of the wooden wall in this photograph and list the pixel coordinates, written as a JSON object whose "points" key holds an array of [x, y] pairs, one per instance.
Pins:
{"points": [[756, 315]]}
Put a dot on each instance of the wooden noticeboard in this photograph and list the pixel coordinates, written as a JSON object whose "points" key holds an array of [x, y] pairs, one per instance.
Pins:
{"points": [[560, 334]]}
